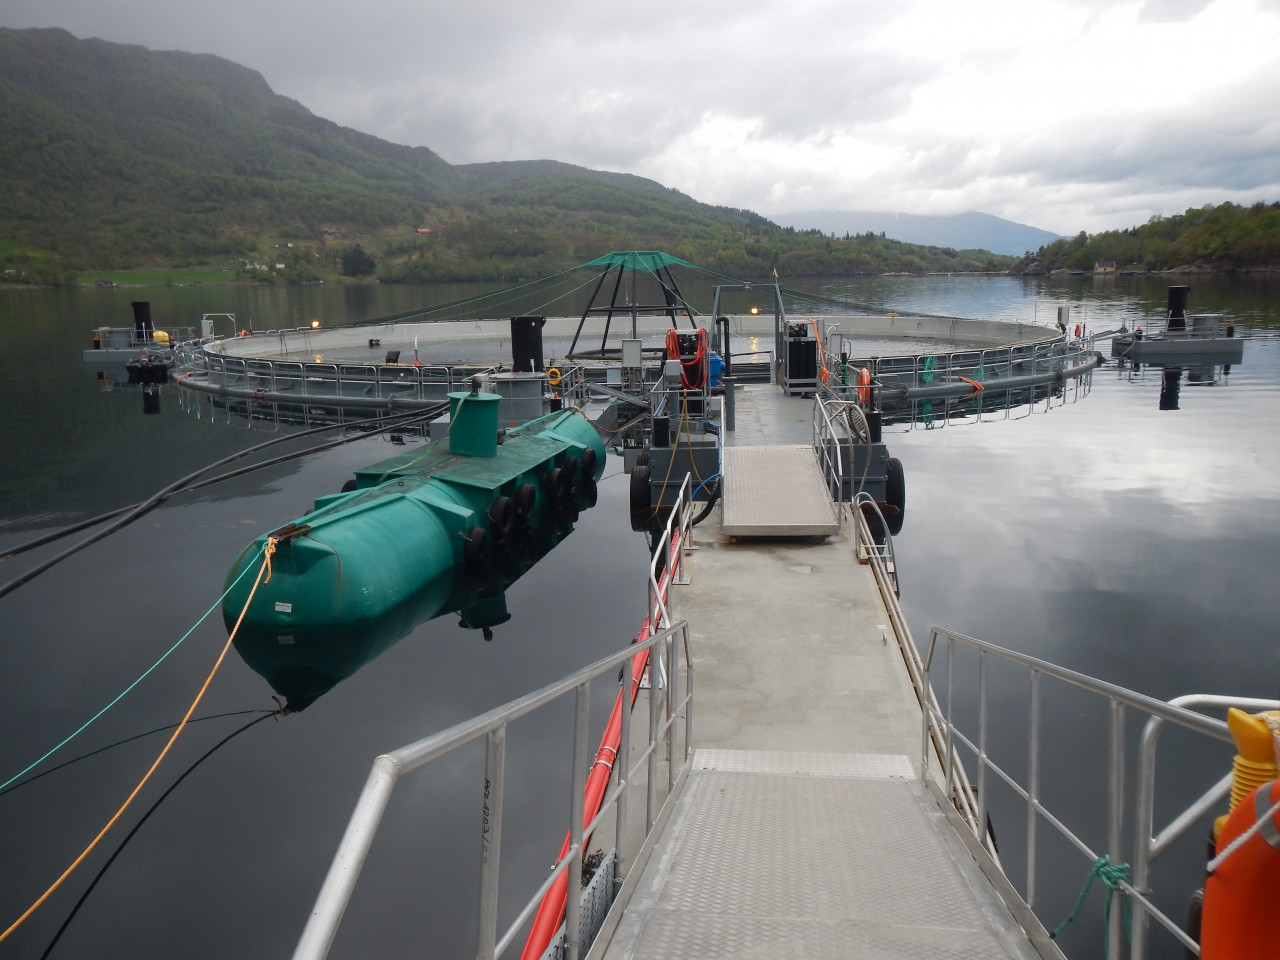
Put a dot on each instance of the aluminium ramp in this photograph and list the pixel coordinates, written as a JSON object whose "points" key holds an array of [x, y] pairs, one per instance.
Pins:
{"points": [[775, 491], [784, 854]]}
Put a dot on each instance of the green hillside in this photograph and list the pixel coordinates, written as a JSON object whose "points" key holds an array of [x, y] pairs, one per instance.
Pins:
{"points": [[1225, 237], [119, 157]]}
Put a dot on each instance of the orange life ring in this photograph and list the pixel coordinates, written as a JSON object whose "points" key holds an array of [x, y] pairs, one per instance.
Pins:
{"points": [[864, 386], [1241, 894], [553, 377]]}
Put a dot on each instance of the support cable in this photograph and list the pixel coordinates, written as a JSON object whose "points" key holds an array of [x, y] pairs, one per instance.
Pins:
{"points": [[265, 568]]}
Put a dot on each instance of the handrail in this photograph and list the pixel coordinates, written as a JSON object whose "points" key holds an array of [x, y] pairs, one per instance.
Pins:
{"points": [[388, 769], [961, 789], [826, 445], [1148, 848], [1119, 699]]}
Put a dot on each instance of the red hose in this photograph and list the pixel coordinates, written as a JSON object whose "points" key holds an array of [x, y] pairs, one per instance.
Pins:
{"points": [[551, 911]]}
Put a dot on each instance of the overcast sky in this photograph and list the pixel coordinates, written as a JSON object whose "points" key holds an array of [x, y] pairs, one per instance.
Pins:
{"points": [[1067, 115]]}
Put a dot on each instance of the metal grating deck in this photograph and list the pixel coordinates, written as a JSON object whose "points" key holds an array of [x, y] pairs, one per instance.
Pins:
{"points": [[816, 856], [775, 491]]}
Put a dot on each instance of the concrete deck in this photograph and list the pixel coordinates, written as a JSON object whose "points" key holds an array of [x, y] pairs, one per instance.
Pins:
{"points": [[803, 828]]}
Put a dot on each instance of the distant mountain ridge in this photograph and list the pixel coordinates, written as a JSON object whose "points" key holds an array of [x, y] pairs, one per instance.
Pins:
{"points": [[962, 231]]}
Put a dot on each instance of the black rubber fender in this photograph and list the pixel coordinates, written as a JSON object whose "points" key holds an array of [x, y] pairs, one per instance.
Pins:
{"points": [[895, 494], [502, 514], [349, 486], [641, 498], [588, 492], [589, 463], [526, 500]]}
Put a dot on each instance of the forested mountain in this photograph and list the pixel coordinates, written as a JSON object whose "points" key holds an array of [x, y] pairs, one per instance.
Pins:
{"points": [[115, 156], [1225, 237]]}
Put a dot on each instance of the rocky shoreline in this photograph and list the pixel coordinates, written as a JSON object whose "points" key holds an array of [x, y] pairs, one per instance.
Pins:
{"points": [[1038, 269]]}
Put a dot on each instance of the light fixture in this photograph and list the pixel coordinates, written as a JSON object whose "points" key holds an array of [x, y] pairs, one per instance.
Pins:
{"points": [[315, 324]]}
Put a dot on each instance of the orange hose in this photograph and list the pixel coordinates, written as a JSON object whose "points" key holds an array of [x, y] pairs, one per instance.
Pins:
{"points": [[265, 568]]}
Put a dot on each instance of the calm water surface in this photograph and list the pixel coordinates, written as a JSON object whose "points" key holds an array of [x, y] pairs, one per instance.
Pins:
{"points": [[1129, 542]]}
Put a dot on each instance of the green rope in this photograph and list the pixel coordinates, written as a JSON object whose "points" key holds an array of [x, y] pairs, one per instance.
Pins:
{"points": [[1112, 875], [120, 696]]}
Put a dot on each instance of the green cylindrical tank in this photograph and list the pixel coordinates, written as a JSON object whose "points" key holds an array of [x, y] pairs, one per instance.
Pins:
{"points": [[473, 424], [423, 533]]}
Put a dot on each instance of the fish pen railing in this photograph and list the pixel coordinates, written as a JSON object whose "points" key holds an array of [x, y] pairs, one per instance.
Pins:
{"points": [[330, 381], [978, 366], [1136, 812]]}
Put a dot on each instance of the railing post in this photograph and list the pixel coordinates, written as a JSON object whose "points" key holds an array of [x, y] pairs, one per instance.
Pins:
{"points": [[672, 698], [491, 841], [622, 766], [651, 778], [951, 708], [1033, 785], [688, 691], [573, 905], [1115, 818], [982, 747]]}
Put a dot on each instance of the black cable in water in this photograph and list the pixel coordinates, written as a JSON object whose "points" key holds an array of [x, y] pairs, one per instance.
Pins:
{"points": [[129, 514], [399, 421], [155, 806], [121, 743]]}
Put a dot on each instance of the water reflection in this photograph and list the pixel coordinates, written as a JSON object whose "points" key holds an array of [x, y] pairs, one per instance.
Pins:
{"points": [[1172, 378]]}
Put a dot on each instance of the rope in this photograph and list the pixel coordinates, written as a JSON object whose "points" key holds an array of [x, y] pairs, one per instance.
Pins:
{"points": [[1113, 876], [1244, 838], [265, 568], [123, 693]]}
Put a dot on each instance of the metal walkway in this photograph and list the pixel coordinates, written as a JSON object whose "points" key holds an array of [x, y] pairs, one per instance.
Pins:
{"points": [[776, 854], [775, 491]]}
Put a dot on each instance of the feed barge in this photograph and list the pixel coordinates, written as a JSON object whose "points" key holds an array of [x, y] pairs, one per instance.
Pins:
{"points": [[443, 529]]}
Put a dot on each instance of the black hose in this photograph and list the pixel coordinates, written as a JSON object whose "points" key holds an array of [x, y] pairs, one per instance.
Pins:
{"points": [[710, 505], [138, 826], [127, 515]]}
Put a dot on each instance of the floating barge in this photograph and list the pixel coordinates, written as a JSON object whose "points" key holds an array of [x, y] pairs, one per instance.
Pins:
{"points": [[1179, 338]]}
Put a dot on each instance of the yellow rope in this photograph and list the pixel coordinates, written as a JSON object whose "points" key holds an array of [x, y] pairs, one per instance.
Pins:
{"points": [[265, 568]]}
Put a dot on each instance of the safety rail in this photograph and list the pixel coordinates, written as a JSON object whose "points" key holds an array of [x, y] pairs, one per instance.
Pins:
{"points": [[827, 446], [915, 370], [389, 769], [940, 724], [332, 381], [571, 383], [1191, 327], [676, 540], [667, 650], [884, 571], [130, 338]]}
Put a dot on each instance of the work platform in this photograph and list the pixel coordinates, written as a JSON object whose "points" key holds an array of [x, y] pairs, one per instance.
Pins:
{"points": [[775, 491]]}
